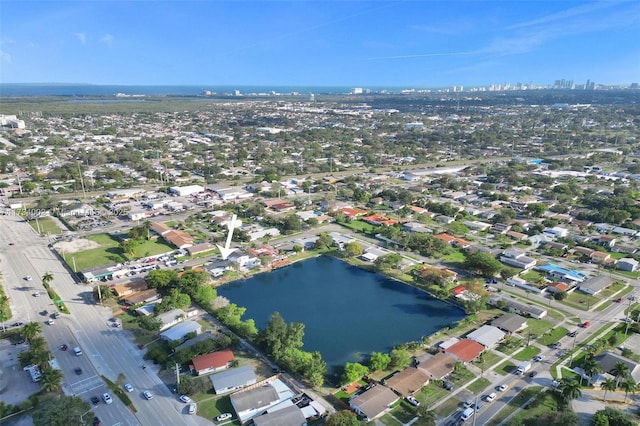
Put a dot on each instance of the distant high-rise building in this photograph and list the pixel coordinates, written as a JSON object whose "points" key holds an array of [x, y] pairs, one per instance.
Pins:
{"points": [[357, 90]]}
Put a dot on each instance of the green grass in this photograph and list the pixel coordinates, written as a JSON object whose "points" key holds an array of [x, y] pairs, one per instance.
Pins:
{"points": [[604, 306], [130, 322], [613, 289], [388, 420], [555, 335], [533, 277], [455, 257], [461, 377], [505, 368], [514, 404], [211, 406], [447, 407], [47, 226], [580, 301], [510, 345], [479, 385], [544, 403], [431, 393], [527, 353], [404, 411], [359, 226], [537, 327], [490, 359], [109, 252]]}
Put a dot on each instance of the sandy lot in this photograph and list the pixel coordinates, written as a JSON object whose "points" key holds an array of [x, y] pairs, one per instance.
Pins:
{"points": [[75, 246]]}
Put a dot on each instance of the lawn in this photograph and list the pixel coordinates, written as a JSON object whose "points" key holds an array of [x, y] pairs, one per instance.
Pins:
{"points": [[461, 376], [505, 368], [47, 226], [479, 385], [613, 289], [359, 226], [431, 393], [527, 353], [604, 306], [211, 406], [580, 300], [447, 407], [510, 345], [538, 327], [546, 402], [109, 252], [130, 322], [514, 404], [490, 359], [404, 412], [555, 335], [455, 257]]}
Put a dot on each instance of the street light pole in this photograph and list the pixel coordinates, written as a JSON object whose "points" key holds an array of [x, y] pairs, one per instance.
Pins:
{"points": [[572, 348], [626, 329]]}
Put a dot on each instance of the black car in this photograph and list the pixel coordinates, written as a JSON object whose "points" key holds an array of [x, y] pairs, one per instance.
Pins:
{"points": [[78, 371], [17, 324], [448, 386], [533, 374], [95, 400], [573, 334], [64, 347]]}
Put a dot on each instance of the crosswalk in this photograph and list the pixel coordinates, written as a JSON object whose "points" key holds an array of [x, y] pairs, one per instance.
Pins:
{"points": [[86, 385]]}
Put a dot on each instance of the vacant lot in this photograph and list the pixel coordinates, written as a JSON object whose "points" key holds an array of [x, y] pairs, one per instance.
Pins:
{"points": [[555, 335]]}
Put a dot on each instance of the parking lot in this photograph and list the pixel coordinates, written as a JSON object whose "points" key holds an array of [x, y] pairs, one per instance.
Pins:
{"points": [[15, 384]]}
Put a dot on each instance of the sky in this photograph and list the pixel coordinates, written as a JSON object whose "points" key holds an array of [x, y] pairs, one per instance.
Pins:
{"points": [[412, 43]]}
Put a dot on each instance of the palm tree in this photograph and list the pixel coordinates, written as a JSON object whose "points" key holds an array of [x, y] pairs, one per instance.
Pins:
{"points": [[31, 330], [47, 278], [51, 379], [570, 389], [38, 343], [591, 367], [627, 386], [608, 385], [620, 371]]}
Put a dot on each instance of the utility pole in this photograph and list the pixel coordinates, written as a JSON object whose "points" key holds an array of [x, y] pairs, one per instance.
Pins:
{"points": [[99, 294], [84, 192], [626, 329]]}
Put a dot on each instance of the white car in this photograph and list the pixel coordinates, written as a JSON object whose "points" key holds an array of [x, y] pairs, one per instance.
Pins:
{"points": [[185, 399], [50, 322], [107, 398], [147, 394], [539, 358], [491, 397], [28, 278], [192, 408], [36, 294], [411, 400], [503, 388], [225, 416], [128, 387]]}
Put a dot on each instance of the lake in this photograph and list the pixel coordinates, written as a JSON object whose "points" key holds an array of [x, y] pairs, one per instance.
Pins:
{"points": [[347, 312]]}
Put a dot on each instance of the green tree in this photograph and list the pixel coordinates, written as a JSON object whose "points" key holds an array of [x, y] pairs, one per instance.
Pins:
{"points": [[353, 371], [627, 386], [31, 330], [388, 261], [191, 280], [47, 278], [591, 367], [343, 418], [129, 247], [353, 249], [620, 371], [162, 278], [483, 263], [400, 358], [61, 410], [536, 209], [570, 389], [608, 385], [324, 241], [379, 361], [51, 379]]}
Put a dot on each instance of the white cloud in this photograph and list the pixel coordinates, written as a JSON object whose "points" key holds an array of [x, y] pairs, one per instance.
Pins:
{"points": [[82, 37], [107, 39], [5, 57]]}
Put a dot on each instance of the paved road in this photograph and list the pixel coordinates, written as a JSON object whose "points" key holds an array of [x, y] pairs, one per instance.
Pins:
{"points": [[107, 351]]}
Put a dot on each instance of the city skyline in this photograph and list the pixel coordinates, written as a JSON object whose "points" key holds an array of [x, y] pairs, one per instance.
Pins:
{"points": [[334, 43]]}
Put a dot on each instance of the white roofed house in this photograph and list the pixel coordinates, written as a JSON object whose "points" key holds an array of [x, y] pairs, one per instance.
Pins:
{"points": [[233, 379], [628, 264], [487, 335], [517, 258], [171, 318], [595, 285], [252, 402]]}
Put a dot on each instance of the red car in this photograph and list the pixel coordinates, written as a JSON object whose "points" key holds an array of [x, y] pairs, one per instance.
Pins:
{"points": [[620, 300], [586, 324]]}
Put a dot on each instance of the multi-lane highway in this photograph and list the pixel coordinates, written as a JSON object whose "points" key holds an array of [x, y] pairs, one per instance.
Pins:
{"points": [[107, 351]]}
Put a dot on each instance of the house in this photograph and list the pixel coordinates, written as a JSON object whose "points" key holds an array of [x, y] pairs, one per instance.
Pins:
{"points": [[199, 248], [290, 415], [185, 191], [171, 318], [379, 220], [517, 258], [595, 285], [511, 323], [233, 379], [252, 402], [436, 366], [180, 331], [127, 289], [212, 362], [500, 228], [408, 381], [608, 361], [557, 287], [374, 402], [466, 350], [448, 220], [520, 308], [518, 236], [487, 335], [628, 264], [600, 257], [558, 273], [144, 296], [607, 241]]}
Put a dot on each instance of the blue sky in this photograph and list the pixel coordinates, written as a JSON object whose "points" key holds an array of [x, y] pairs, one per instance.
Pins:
{"points": [[331, 43]]}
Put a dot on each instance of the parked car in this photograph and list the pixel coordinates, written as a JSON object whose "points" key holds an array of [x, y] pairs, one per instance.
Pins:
{"points": [[78, 371], [491, 397], [192, 408], [50, 322], [128, 387], [107, 398], [448, 386], [503, 387], [185, 399], [147, 394], [411, 400], [95, 400], [224, 416]]}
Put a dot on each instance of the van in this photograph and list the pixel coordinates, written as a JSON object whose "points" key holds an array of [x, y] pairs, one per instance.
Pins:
{"points": [[77, 351], [466, 414]]}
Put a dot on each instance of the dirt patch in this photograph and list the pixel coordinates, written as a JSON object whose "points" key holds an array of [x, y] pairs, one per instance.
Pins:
{"points": [[75, 246]]}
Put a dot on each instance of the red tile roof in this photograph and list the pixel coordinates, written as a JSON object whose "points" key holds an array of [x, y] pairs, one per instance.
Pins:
{"points": [[216, 360], [466, 350]]}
